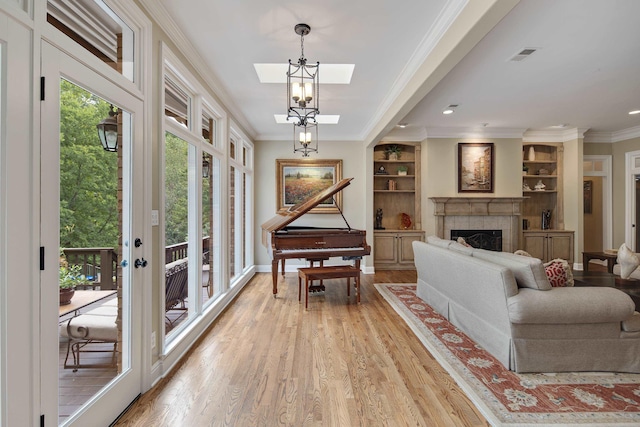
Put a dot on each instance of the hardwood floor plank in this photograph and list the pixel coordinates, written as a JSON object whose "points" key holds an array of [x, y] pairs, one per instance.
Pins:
{"points": [[269, 361]]}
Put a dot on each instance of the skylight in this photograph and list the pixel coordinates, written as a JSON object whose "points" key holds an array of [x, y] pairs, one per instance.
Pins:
{"points": [[323, 119], [329, 73]]}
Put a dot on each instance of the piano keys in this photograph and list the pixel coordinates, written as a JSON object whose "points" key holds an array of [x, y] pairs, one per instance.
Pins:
{"points": [[311, 243]]}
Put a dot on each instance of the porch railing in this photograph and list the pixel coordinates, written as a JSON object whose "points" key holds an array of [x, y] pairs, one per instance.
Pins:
{"points": [[179, 251], [99, 265]]}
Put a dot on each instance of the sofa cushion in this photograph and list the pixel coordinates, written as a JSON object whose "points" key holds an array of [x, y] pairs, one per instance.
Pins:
{"points": [[529, 272], [435, 240], [570, 306]]}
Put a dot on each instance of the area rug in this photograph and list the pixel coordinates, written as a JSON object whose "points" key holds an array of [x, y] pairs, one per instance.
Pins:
{"points": [[509, 399]]}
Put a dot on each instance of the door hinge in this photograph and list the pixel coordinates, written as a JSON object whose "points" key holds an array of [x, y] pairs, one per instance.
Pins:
{"points": [[42, 88], [41, 258]]}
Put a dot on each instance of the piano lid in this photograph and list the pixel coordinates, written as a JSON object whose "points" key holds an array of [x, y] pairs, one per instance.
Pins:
{"points": [[287, 216]]}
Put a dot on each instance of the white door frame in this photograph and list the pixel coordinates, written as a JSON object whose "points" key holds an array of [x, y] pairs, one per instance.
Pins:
{"points": [[632, 168], [18, 235], [607, 196], [105, 406]]}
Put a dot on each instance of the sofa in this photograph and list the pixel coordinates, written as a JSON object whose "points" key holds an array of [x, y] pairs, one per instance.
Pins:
{"points": [[505, 303]]}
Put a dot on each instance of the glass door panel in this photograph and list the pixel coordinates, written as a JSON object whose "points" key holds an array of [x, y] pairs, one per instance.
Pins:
{"points": [[88, 221]]}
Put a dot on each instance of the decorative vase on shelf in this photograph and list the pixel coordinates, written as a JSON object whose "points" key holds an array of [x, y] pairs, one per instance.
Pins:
{"points": [[532, 153]]}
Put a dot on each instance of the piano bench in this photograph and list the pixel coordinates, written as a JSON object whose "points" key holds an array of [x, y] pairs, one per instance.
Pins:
{"points": [[330, 272]]}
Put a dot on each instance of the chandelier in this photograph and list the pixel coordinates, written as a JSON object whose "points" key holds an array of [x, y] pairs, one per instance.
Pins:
{"points": [[302, 99], [305, 135]]}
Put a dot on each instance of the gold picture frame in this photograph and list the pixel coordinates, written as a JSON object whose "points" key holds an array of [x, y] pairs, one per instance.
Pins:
{"points": [[300, 179]]}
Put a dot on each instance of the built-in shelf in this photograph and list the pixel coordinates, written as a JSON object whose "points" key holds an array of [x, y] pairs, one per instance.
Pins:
{"points": [[394, 191], [393, 248]]}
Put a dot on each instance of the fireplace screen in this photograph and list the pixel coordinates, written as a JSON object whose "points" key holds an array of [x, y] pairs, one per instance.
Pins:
{"points": [[480, 239]]}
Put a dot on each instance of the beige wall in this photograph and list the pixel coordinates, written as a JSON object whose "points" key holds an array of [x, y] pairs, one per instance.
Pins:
{"points": [[439, 178], [354, 197], [439, 172]]}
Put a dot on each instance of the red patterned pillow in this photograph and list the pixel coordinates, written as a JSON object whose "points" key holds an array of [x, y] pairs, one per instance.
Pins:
{"points": [[559, 273]]}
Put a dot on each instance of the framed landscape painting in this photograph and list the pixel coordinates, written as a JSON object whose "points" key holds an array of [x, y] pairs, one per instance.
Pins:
{"points": [[475, 167], [298, 180]]}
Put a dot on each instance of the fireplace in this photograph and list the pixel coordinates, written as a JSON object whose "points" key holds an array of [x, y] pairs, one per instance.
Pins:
{"points": [[480, 213], [480, 239]]}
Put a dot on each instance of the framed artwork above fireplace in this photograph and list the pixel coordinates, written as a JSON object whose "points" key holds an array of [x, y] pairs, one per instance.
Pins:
{"points": [[475, 167]]}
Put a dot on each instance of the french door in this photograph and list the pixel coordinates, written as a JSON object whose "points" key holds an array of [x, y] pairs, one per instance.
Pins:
{"points": [[73, 167]]}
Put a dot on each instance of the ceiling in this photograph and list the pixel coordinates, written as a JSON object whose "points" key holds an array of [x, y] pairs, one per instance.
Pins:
{"points": [[414, 57]]}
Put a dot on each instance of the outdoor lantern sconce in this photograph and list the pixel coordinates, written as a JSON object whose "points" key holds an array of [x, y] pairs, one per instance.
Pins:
{"points": [[108, 131], [206, 168]]}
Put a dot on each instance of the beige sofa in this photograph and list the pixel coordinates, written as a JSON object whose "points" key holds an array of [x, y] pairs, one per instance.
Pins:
{"points": [[505, 303]]}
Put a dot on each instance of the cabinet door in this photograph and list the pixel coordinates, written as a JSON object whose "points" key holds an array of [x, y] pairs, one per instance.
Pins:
{"points": [[536, 245], [561, 246], [405, 247], [385, 248]]}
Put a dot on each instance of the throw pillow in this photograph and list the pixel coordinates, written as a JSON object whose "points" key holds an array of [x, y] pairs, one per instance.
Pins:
{"points": [[559, 273], [628, 261], [522, 253], [463, 242]]}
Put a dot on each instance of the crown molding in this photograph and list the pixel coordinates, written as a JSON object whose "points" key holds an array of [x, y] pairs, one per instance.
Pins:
{"points": [[612, 137], [160, 15], [625, 134], [445, 132], [413, 134], [560, 135], [598, 137]]}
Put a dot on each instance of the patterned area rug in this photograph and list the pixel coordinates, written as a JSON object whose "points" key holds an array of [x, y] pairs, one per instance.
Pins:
{"points": [[506, 398]]}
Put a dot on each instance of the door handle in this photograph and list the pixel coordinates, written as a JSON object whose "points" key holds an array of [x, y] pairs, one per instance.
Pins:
{"points": [[140, 263]]}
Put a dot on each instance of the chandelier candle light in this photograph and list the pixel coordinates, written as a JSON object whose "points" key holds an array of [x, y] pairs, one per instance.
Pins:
{"points": [[302, 99]]}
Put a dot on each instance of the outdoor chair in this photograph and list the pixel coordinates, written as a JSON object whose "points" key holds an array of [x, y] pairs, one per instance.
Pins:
{"points": [[85, 331], [176, 288]]}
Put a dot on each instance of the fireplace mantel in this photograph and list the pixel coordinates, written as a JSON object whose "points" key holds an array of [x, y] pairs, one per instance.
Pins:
{"points": [[480, 213], [477, 205]]}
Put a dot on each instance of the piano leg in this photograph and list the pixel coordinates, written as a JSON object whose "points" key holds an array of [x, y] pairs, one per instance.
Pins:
{"points": [[282, 268], [274, 275]]}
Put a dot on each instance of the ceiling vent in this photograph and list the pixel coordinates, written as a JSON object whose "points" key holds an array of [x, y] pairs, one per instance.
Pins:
{"points": [[523, 54]]}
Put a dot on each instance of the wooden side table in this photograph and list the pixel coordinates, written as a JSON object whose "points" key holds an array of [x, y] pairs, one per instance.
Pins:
{"points": [[610, 258]]}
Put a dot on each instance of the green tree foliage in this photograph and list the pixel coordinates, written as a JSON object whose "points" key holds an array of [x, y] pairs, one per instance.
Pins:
{"points": [[176, 189], [88, 174]]}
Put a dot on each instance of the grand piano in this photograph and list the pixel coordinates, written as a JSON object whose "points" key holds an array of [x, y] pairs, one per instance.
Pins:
{"points": [[311, 243]]}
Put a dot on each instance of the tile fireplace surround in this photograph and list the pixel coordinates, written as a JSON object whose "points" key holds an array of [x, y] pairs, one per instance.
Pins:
{"points": [[479, 213]]}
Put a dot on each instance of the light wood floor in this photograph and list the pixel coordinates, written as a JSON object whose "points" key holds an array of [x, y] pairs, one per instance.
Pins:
{"points": [[268, 362]]}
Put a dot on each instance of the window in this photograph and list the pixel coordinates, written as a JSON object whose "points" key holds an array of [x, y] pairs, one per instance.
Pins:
{"points": [[207, 201], [176, 103], [98, 29], [240, 207]]}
